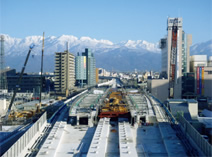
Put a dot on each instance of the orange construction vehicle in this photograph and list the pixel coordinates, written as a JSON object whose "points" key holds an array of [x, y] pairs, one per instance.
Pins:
{"points": [[114, 106]]}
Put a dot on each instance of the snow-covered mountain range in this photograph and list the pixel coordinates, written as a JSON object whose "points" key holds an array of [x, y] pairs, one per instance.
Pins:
{"points": [[16, 46], [123, 56], [203, 48]]}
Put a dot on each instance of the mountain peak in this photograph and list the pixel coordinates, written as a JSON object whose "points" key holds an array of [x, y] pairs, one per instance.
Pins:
{"points": [[141, 44], [202, 48], [135, 54], [86, 39], [67, 38]]}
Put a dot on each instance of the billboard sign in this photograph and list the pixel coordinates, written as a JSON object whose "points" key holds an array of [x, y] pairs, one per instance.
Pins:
{"points": [[197, 80], [203, 81], [200, 80], [84, 62]]}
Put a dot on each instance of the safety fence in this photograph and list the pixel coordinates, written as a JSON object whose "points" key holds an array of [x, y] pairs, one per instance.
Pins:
{"points": [[202, 143], [26, 141]]}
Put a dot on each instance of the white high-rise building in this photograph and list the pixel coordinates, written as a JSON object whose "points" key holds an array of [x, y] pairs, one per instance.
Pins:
{"points": [[175, 49]]}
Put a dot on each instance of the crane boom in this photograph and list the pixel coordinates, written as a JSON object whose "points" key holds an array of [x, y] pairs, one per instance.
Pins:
{"points": [[18, 83], [41, 75]]}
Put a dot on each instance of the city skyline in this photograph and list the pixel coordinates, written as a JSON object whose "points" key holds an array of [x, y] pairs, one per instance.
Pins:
{"points": [[112, 20]]}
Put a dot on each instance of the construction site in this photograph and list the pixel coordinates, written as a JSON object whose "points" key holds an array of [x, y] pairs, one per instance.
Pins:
{"points": [[115, 122], [105, 119]]}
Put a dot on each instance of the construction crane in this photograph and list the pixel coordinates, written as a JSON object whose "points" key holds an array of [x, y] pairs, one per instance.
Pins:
{"points": [[173, 56], [18, 83], [41, 79]]}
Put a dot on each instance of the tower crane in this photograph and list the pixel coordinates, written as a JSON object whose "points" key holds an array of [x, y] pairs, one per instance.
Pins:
{"points": [[41, 79], [173, 56]]}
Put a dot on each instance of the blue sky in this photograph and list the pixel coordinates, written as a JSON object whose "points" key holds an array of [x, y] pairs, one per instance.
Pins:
{"points": [[114, 20]]}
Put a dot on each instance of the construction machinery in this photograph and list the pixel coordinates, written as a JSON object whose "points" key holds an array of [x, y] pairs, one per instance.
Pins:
{"points": [[41, 79], [21, 114], [114, 106], [18, 83], [173, 56]]}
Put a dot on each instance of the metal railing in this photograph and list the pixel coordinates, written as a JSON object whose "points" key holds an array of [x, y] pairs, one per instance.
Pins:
{"points": [[25, 142], [172, 118]]}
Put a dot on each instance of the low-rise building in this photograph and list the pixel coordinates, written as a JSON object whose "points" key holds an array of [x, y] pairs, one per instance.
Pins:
{"points": [[103, 72], [202, 69], [29, 83], [186, 107], [158, 88]]}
